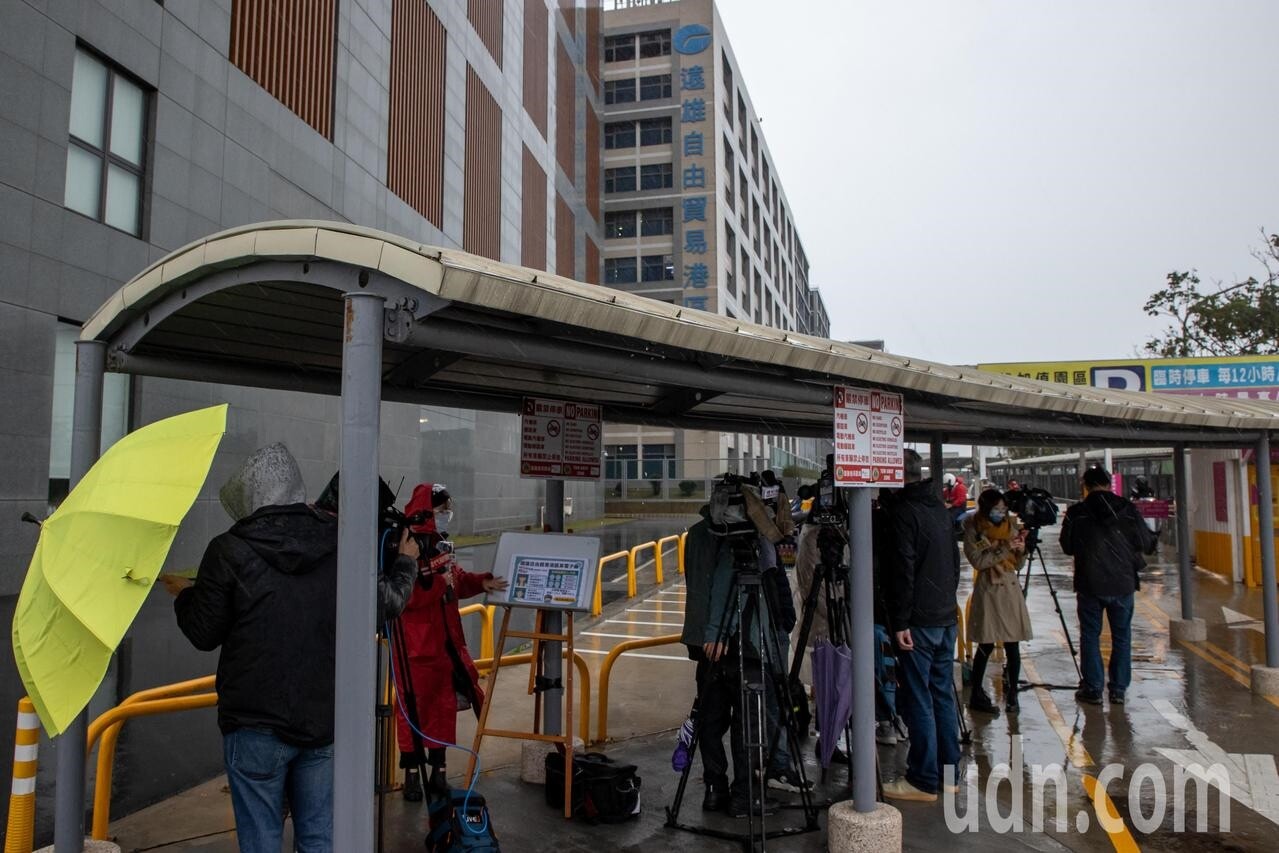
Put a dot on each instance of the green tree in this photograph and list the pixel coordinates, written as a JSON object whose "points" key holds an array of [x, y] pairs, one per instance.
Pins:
{"points": [[1236, 319]]}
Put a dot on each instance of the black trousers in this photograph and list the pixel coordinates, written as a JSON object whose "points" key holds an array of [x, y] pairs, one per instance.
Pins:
{"points": [[719, 712], [1012, 663]]}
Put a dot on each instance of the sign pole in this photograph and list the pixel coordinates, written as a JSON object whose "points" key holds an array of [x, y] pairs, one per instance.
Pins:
{"points": [[552, 708]]}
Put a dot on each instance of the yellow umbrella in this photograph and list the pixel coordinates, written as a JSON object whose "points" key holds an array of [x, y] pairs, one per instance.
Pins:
{"points": [[99, 554]]}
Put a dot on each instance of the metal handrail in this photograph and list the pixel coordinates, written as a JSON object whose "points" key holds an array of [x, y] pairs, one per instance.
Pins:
{"points": [[486, 613], [606, 672], [659, 556], [632, 567], [683, 540], [597, 606], [584, 682]]}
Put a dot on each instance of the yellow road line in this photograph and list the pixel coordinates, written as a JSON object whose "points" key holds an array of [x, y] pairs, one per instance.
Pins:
{"points": [[1108, 817], [1075, 751]]}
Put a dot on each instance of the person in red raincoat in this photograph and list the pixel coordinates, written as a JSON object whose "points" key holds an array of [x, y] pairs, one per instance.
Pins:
{"points": [[443, 679]]}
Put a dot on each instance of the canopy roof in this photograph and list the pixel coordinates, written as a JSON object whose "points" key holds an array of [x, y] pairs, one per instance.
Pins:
{"points": [[262, 306]]}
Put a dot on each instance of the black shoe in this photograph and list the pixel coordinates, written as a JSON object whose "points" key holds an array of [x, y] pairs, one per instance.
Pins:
{"points": [[979, 701], [1011, 705], [412, 786], [1116, 698], [716, 799], [1084, 695], [737, 806], [438, 786]]}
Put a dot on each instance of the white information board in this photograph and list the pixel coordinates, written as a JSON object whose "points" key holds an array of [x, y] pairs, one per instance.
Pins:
{"points": [[549, 571], [560, 440], [868, 438]]}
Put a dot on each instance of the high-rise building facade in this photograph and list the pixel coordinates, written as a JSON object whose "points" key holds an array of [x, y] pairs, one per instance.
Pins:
{"points": [[695, 213]]}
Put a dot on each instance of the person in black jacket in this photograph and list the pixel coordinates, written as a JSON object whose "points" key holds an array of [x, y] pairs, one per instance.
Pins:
{"points": [[922, 608], [1107, 536], [266, 593]]}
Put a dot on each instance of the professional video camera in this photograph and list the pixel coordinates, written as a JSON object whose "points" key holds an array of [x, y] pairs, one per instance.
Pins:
{"points": [[390, 521], [1035, 507]]}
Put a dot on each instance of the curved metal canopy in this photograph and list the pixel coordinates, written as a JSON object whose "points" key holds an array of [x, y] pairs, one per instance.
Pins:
{"points": [[261, 306]]}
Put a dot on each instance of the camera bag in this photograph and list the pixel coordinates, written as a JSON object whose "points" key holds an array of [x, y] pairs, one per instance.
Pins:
{"points": [[460, 824], [604, 791]]}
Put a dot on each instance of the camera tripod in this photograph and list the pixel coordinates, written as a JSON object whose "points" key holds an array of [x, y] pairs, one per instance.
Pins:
{"points": [[1032, 552], [747, 617]]}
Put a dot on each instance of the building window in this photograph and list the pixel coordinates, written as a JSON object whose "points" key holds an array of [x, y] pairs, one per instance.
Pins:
{"points": [[619, 91], [655, 131], [655, 43], [657, 221], [619, 270], [655, 88], [658, 176], [659, 458], [754, 157], [741, 121], [106, 160], [621, 180], [619, 134], [728, 86], [743, 194], [657, 268], [619, 223], [619, 48]]}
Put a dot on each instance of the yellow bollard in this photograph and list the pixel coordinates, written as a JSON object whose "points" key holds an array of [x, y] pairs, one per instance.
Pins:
{"points": [[20, 834]]}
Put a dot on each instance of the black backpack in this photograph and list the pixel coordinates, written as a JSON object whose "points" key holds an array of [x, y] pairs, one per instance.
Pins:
{"points": [[460, 825], [603, 790]]}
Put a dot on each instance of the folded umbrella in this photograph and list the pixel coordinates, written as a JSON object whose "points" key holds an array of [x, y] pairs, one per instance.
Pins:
{"points": [[99, 554], [833, 684]]}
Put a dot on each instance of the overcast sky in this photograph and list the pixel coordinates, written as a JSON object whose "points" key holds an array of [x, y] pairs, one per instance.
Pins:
{"points": [[1002, 181]]}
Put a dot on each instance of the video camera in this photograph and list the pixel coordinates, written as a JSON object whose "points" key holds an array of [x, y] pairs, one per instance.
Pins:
{"points": [[1035, 507], [828, 504], [390, 521]]}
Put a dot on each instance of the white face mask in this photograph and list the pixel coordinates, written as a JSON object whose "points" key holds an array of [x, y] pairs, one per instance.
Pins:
{"points": [[443, 518]]}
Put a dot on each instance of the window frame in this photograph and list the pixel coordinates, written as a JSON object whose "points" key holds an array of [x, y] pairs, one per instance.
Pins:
{"points": [[664, 264], [666, 171], [613, 43], [662, 82], [611, 175], [664, 217], [665, 128], [614, 217], [106, 157], [610, 278], [611, 90], [662, 38], [613, 129]]}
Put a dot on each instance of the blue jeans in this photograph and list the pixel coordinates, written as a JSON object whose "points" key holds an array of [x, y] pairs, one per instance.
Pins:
{"points": [[261, 771], [1118, 610], [927, 701], [885, 676]]}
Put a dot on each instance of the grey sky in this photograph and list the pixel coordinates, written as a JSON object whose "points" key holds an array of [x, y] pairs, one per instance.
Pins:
{"points": [[1002, 181]]}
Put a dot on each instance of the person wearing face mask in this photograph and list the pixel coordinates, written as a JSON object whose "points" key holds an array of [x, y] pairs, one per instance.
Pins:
{"points": [[995, 545], [442, 674]]}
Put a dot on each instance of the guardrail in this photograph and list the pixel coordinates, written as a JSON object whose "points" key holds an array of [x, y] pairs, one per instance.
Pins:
{"points": [[606, 672], [632, 564], [597, 606], [486, 614], [583, 680]]}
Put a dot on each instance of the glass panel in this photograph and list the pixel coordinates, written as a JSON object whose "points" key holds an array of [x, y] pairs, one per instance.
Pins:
{"points": [[84, 181], [122, 199], [88, 98], [127, 121]]}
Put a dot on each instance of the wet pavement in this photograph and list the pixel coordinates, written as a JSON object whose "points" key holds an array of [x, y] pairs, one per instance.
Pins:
{"points": [[1189, 704]]}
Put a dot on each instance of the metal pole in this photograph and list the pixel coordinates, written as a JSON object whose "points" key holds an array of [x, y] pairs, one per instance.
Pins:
{"points": [[356, 653], [862, 646], [1266, 530], [936, 463], [552, 621], [1185, 569], [86, 444]]}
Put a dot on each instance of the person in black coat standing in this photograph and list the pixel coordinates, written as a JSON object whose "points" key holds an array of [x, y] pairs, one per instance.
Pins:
{"points": [[1107, 537]]}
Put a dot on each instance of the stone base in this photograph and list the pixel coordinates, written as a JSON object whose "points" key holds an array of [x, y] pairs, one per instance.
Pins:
{"points": [[1189, 630], [1265, 681], [90, 846], [879, 831], [533, 759]]}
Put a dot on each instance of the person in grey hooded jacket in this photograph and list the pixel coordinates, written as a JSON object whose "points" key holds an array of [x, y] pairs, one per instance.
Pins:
{"points": [[266, 594]]}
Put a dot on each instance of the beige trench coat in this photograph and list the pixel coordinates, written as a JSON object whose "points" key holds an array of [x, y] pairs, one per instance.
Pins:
{"points": [[999, 613]]}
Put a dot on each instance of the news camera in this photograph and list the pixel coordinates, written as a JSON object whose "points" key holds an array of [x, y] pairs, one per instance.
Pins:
{"points": [[1035, 507]]}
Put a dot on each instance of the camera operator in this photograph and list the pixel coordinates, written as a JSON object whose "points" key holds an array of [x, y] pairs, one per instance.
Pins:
{"points": [[710, 633], [266, 592], [442, 674], [1107, 536]]}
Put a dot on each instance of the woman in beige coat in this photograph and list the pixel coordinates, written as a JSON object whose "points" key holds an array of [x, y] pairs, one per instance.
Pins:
{"points": [[995, 545]]}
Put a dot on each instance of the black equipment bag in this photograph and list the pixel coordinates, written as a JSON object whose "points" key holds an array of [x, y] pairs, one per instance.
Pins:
{"points": [[460, 825], [603, 790]]}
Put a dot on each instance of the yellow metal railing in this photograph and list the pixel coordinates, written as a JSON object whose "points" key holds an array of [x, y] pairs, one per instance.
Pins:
{"points": [[597, 606], [632, 564], [660, 550], [486, 614], [583, 681], [606, 673]]}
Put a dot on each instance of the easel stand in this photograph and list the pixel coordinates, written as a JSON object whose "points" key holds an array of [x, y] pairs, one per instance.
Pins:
{"points": [[538, 683]]}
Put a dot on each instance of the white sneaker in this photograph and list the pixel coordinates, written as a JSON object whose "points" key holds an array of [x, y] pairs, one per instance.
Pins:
{"points": [[900, 789]]}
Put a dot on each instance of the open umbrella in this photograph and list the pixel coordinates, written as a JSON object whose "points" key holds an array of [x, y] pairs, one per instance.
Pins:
{"points": [[99, 554], [833, 684]]}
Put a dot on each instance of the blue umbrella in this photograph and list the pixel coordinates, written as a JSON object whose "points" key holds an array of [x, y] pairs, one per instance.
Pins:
{"points": [[833, 683]]}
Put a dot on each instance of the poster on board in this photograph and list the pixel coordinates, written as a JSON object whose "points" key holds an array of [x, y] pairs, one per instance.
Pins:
{"points": [[548, 571]]}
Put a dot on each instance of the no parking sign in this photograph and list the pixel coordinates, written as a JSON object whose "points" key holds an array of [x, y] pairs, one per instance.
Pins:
{"points": [[868, 437]]}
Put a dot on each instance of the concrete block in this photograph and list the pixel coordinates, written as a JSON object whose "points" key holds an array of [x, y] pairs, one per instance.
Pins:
{"points": [[878, 831], [1265, 680], [533, 759], [90, 846], [1189, 630]]}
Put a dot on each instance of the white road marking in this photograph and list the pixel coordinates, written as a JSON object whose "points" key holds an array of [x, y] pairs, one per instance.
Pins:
{"points": [[654, 624], [1235, 619], [636, 655]]}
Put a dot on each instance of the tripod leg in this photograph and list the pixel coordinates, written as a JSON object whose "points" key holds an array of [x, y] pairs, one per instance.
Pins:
{"points": [[1061, 614]]}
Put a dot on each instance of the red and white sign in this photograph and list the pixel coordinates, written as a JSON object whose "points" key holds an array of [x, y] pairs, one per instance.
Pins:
{"points": [[868, 438], [560, 441]]}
